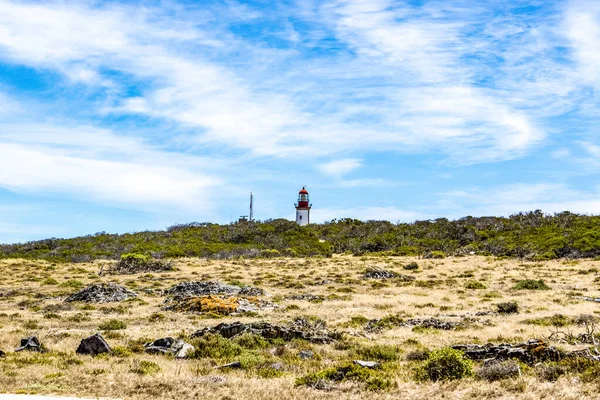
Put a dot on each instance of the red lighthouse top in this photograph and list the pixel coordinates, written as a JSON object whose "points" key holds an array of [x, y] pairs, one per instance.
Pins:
{"points": [[303, 198]]}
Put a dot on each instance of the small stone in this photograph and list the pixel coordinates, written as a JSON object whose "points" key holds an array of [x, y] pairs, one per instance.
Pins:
{"points": [[185, 351], [276, 366], [367, 364], [30, 343], [306, 354], [235, 364], [93, 346], [214, 379], [2, 354]]}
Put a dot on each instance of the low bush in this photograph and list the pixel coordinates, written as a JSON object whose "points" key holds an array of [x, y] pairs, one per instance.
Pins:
{"points": [[531, 284], [509, 307], [558, 320], [378, 352], [145, 367], [445, 364], [411, 266], [475, 285], [496, 371], [373, 379], [112, 325]]}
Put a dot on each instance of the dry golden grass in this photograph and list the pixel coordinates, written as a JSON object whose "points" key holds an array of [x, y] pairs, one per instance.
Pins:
{"points": [[32, 294]]}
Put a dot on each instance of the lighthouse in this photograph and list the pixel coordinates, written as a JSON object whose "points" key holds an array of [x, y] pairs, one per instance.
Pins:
{"points": [[303, 208]]}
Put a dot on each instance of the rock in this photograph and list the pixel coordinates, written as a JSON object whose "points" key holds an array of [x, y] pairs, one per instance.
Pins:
{"points": [[296, 330], [277, 366], [205, 288], [367, 364], [379, 273], [321, 384], [93, 346], [214, 379], [185, 351], [313, 298], [432, 323], [31, 343], [2, 354], [305, 355], [529, 352], [235, 364], [586, 298], [168, 345], [220, 304], [102, 293]]}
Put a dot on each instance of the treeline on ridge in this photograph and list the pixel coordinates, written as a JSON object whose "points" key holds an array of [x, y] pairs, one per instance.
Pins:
{"points": [[533, 235]]}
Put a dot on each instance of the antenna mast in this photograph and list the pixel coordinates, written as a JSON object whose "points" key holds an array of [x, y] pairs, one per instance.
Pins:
{"points": [[251, 208]]}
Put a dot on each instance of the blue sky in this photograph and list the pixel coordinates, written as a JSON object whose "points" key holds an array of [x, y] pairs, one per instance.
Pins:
{"points": [[127, 116]]}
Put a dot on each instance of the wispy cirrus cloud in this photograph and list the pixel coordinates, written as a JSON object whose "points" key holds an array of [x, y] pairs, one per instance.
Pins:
{"points": [[417, 90], [168, 105], [338, 168]]}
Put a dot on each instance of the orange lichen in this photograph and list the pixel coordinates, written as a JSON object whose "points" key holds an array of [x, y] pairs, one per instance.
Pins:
{"points": [[212, 304]]}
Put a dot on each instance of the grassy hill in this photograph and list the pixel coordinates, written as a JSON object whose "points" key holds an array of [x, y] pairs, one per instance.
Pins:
{"points": [[532, 235]]}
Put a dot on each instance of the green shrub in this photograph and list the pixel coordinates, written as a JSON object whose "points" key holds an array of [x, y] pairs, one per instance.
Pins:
{"points": [[411, 266], [378, 352], [558, 320], [50, 281], [475, 285], [373, 379], [121, 352], [72, 283], [112, 325], [435, 254], [445, 364], [509, 307], [249, 341], [270, 253], [155, 317], [531, 284], [215, 346], [145, 367]]}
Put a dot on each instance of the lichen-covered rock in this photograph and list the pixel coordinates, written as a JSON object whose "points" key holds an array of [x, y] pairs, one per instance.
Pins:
{"points": [[313, 298], [102, 293], [93, 346], [31, 343], [296, 330], [380, 273], [305, 355], [205, 288], [223, 305], [529, 352]]}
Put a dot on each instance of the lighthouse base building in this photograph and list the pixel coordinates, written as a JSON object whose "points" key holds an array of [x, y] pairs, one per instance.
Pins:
{"points": [[303, 208]]}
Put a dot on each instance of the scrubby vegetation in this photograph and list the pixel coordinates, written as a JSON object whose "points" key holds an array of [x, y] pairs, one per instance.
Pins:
{"points": [[329, 331], [445, 364], [533, 235]]}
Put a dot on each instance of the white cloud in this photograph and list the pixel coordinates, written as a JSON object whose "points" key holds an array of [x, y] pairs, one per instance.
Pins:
{"points": [[412, 90], [339, 168], [96, 165], [582, 28]]}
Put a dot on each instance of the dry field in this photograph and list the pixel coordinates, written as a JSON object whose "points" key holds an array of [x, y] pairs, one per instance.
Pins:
{"points": [[32, 294]]}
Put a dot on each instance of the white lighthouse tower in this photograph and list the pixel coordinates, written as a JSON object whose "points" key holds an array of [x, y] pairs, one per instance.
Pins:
{"points": [[303, 208]]}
